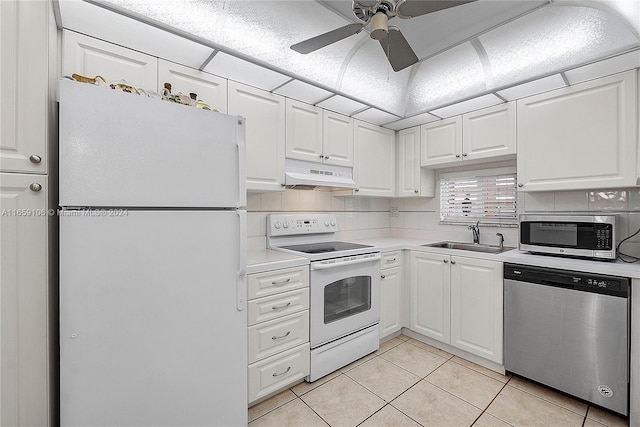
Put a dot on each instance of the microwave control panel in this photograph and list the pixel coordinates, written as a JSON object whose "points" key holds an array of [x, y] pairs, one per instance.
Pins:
{"points": [[603, 236]]}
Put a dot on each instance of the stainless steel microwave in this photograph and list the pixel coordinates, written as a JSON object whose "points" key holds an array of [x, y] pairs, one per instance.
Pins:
{"points": [[589, 236]]}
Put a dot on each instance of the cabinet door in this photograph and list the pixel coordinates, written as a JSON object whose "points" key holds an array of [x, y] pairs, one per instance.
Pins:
{"points": [[337, 139], [24, 301], [391, 301], [92, 57], [409, 162], [304, 131], [441, 142], [430, 295], [490, 132], [24, 67], [476, 307], [211, 89], [265, 135], [579, 137], [374, 160]]}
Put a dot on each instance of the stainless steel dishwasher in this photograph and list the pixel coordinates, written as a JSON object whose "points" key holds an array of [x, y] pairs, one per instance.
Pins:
{"points": [[570, 331]]}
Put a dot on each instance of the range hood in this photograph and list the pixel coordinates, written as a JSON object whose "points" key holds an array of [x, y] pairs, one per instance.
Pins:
{"points": [[303, 175]]}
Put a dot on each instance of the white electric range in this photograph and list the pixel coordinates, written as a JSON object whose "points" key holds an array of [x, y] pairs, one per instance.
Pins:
{"points": [[344, 288]]}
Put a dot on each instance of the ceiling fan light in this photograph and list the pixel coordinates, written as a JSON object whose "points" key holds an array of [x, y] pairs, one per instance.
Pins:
{"points": [[379, 27]]}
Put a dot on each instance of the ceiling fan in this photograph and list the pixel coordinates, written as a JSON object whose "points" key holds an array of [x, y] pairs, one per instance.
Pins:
{"points": [[377, 13]]}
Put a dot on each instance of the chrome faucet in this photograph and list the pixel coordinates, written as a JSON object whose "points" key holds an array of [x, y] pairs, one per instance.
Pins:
{"points": [[475, 229], [501, 240]]}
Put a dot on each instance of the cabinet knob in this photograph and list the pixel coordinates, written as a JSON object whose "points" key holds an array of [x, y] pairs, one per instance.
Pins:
{"points": [[520, 185], [34, 158], [35, 187], [356, 190], [453, 262], [382, 276], [445, 261], [416, 191], [464, 154], [322, 156], [458, 155], [326, 157]]}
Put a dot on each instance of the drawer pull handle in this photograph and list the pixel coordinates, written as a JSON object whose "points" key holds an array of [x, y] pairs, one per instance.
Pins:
{"points": [[382, 276], [275, 374], [280, 307], [281, 282], [281, 337], [391, 260]]}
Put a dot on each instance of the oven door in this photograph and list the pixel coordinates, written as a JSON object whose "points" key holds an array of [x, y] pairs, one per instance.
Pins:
{"points": [[345, 296]]}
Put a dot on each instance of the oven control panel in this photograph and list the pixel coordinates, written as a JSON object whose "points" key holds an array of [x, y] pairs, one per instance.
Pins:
{"points": [[295, 224]]}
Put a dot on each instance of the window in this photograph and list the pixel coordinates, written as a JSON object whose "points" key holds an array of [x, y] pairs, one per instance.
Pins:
{"points": [[489, 198]]}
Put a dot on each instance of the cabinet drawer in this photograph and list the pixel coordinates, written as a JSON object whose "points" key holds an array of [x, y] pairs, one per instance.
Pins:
{"points": [[273, 282], [391, 259], [283, 333], [278, 371], [267, 308]]}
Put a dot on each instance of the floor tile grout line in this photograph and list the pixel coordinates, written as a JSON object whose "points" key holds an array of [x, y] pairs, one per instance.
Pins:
{"points": [[480, 372], [549, 401], [492, 400], [376, 394], [277, 407]]}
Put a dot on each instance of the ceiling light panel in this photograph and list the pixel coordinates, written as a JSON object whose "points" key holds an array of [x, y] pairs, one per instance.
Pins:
{"points": [[342, 105], [488, 100], [236, 69], [452, 75], [531, 88], [553, 38], [375, 116], [263, 30], [98, 22], [303, 92], [417, 120], [605, 67], [368, 76]]}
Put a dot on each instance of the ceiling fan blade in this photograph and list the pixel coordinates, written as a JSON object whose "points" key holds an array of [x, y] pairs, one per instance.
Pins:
{"points": [[318, 42], [410, 8], [398, 51]]}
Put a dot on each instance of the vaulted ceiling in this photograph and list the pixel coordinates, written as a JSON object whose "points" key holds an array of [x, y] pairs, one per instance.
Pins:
{"points": [[477, 53]]}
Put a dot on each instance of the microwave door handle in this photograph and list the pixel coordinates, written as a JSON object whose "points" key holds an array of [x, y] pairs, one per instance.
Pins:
{"points": [[320, 266]]}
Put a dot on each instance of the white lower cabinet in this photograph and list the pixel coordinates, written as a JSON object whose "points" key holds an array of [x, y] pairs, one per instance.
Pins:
{"points": [[391, 293], [458, 301], [278, 332]]}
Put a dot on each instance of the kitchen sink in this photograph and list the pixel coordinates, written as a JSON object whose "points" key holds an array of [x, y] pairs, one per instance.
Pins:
{"points": [[475, 247]]}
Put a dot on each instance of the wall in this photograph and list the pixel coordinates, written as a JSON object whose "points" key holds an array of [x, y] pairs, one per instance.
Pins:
{"points": [[624, 203], [358, 217]]}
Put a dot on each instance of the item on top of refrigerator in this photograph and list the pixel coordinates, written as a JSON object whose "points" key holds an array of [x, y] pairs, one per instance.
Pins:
{"points": [[97, 80]]}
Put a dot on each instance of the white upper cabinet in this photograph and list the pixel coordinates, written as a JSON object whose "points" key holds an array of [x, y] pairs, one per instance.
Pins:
{"points": [[487, 134], [91, 57], [24, 79], [374, 160], [304, 131], [490, 132], [265, 135], [212, 90], [441, 142], [580, 137], [337, 139], [318, 135], [413, 181]]}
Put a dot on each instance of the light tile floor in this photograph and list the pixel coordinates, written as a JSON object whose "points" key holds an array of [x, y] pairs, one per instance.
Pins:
{"points": [[409, 383]]}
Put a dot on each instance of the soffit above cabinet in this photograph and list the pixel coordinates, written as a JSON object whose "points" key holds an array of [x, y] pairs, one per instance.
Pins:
{"points": [[465, 52]]}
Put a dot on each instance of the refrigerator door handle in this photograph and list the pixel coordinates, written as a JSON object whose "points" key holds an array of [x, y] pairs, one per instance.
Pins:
{"points": [[242, 153], [241, 284]]}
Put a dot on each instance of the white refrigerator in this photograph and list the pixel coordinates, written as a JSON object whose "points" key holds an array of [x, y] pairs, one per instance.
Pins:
{"points": [[152, 262]]}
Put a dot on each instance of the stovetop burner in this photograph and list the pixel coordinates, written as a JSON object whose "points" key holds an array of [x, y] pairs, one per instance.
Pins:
{"points": [[325, 247]]}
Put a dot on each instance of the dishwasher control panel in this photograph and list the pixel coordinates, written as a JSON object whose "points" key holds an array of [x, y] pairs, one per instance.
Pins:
{"points": [[579, 281]]}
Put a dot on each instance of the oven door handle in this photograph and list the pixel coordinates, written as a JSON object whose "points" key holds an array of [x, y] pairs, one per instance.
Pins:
{"points": [[321, 266]]}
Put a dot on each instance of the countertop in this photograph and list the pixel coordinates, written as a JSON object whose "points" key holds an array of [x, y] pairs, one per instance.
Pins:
{"points": [[266, 259]]}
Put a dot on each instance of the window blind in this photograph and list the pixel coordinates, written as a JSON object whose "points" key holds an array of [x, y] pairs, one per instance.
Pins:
{"points": [[475, 198]]}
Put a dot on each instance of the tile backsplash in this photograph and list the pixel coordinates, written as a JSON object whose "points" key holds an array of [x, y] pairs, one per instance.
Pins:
{"points": [[419, 217]]}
